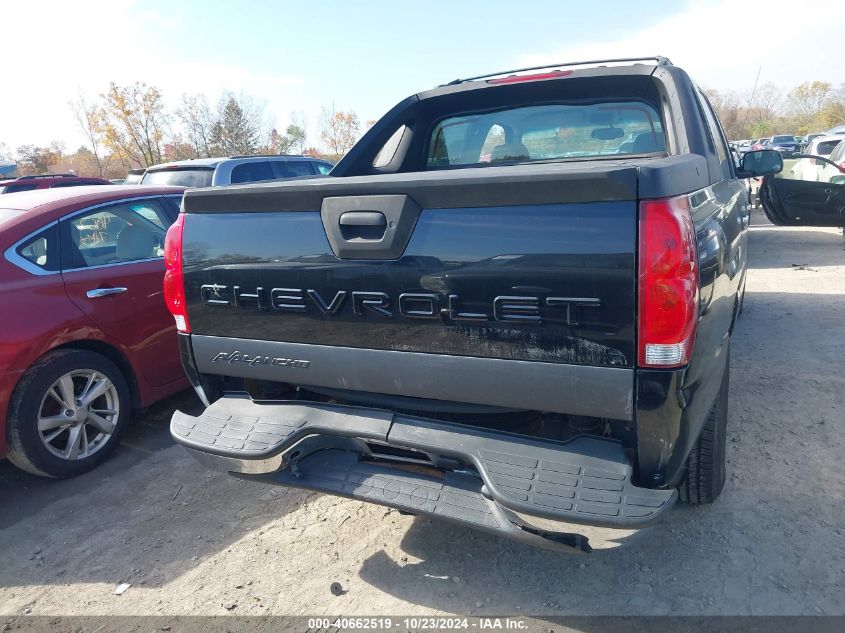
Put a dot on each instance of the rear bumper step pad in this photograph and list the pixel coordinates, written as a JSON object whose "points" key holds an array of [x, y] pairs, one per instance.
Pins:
{"points": [[537, 484]]}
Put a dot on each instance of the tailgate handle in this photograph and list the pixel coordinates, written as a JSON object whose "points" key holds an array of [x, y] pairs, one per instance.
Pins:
{"points": [[363, 218], [369, 226]]}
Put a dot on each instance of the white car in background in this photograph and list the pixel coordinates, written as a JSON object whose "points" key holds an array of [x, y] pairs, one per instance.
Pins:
{"points": [[837, 169], [743, 145], [813, 169]]}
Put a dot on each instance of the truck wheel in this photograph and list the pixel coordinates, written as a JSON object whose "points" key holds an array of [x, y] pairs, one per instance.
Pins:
{"points": [[705, 476], [66, 414]]}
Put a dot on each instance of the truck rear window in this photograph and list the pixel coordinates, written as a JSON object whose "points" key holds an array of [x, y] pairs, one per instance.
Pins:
{"points": [[179, 177], [546, 132]]}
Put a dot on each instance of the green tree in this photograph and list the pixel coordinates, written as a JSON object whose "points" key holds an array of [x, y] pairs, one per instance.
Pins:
{"points": [[296, 137], [293, 140], [237, 129], [763, 128]]}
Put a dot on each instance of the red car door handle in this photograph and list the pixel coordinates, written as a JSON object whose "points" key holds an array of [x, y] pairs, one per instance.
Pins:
{"points": [[104, 292]]}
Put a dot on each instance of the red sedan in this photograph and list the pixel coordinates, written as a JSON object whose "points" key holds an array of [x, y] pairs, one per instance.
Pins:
{"points": [[84, 332]]}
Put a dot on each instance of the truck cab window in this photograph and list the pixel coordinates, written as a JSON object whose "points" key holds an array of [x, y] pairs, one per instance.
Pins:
{"points": [[719, 142], [547, 132]]}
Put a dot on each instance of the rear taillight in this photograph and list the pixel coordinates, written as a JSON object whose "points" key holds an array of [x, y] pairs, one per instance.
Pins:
{"points": [[174, 280], [668, 283]]}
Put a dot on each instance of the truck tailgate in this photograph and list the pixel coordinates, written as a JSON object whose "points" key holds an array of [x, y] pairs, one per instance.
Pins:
{"points": [[413, 283]]}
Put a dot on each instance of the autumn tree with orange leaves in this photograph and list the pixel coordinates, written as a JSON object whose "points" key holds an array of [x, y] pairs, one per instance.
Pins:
{"points": [[133, 123], [339, 131]]}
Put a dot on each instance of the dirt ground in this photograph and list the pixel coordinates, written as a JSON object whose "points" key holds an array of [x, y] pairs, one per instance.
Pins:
{"points": [[194, 542]]}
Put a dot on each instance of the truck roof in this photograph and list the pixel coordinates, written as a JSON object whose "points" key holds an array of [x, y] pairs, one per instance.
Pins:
{"points": [[211, 163], [595, 68]]}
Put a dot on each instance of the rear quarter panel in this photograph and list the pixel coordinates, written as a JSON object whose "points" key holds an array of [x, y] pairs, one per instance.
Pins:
{"points": [[672, 405]]}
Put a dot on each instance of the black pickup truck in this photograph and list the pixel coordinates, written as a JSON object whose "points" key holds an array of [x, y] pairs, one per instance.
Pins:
{"points": [[510, 306]]}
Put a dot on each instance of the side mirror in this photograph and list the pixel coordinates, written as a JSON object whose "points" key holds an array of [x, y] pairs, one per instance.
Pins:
{"points": [[764, 162]]}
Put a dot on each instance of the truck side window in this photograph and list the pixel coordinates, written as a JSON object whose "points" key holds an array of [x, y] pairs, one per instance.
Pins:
{"points": [[718, 138]]}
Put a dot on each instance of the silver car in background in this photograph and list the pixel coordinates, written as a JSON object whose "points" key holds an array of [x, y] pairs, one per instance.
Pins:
{"points": [[213, 172]]}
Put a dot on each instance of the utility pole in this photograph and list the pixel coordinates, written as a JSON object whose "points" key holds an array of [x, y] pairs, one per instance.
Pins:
{"points": [[753, 93]]}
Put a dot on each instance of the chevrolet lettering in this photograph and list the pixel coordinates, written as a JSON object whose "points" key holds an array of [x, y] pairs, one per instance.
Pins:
{"points": [[411, 305]]}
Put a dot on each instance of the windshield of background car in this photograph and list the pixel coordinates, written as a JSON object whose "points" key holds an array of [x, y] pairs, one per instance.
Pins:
{"points": [[547, 132], [783, 139], [179, 177]]}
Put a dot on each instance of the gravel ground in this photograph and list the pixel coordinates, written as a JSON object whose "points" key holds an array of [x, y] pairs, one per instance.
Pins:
{"points": [[193, 542]]}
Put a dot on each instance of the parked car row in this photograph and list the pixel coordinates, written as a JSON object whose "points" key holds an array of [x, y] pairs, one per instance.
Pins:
{"points": [[200, 172], [47, 181], [785, 144], [212, 172]]}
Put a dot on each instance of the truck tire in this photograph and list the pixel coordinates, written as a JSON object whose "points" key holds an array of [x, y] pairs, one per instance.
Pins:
{"points": [[705, 476], [66, 413]]}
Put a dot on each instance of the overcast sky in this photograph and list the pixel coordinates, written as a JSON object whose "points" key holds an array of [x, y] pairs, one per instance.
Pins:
{"points": [[367, 55]]}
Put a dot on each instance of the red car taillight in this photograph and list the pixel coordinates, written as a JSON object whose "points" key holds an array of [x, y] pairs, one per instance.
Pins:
{"points": [[174, 279], [668, 283]]}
